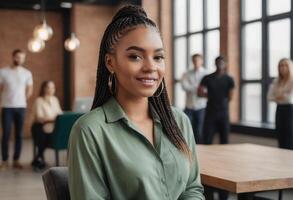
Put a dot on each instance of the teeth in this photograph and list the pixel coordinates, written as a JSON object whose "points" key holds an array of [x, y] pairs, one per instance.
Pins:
{"points": [[147, 80]]}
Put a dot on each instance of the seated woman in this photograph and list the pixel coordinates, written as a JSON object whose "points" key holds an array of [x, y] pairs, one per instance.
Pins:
{"points": [[45, 110]]}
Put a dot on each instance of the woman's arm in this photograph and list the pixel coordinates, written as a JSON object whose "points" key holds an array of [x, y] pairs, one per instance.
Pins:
{"points": [[86, 173]]}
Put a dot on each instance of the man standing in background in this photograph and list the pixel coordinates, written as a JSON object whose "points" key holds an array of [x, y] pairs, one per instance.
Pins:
{"points": [[218, 88], [16, 86], [195, 105]]}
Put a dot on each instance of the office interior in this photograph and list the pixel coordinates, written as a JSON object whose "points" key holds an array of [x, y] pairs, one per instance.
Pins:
{"points": [[253, 35]]}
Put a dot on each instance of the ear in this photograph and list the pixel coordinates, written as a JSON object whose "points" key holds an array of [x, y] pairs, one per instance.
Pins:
{"points": [[109, 61]]}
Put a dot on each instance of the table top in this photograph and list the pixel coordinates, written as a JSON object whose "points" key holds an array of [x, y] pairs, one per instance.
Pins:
{"points": [[240, 168]]}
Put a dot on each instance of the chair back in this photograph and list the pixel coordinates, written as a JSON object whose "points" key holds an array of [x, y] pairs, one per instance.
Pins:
{"points": [[55, 182], [63, 125]]}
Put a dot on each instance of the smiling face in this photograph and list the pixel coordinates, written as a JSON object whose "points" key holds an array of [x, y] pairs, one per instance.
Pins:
{"points": [[138, 62]]}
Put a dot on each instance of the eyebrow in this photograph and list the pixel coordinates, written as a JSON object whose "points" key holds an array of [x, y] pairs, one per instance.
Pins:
{"points": [[141, 49]]}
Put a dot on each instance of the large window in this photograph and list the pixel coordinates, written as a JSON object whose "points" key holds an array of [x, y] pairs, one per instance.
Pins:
{"points": [[266, 37], [196, 30]]}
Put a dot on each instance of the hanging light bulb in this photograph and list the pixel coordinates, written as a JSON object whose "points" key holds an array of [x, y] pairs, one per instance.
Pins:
{"points": [[71, 43], [36, 45], [43, 31]]}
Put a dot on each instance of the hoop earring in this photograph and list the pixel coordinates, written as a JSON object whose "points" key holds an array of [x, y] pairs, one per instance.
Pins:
{"points": [[110, 82], [161, 91]]}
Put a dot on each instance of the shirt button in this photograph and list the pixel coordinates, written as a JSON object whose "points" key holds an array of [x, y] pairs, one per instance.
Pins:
{"points": [[163, 180]]}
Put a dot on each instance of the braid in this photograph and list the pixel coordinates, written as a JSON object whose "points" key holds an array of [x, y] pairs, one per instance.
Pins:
{"points": [[127, 19]]}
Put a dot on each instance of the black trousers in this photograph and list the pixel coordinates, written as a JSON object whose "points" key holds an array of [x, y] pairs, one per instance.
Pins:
{"points": [[41, 139], [284, 125], [12, 116], [216, 121]]}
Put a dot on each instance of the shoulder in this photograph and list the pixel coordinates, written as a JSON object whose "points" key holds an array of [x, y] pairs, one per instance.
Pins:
{"points": [[91, 121], [25, 71], [55, 99], [187, 73], [4, 69], [89, 127]]}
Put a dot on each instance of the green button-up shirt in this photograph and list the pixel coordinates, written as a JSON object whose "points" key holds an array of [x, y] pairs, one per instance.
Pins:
{"points": [[110, 159]]}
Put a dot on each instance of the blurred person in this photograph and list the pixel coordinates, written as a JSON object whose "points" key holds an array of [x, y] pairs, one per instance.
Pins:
{"points": [[218, 88], [133, 144], [45, 110], [281, 92], [195, 105], [16, 87]]}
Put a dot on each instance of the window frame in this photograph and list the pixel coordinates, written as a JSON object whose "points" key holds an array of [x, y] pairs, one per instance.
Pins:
{"points": [[204, 31], [265, 79]]}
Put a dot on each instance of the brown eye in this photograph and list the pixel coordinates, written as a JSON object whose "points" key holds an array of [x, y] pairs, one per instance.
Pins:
{"points": [[159, 58], [134, 57]]}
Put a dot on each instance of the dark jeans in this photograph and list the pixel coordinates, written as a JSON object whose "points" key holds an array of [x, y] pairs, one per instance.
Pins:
{"points": [[41, 140], [284, 126], [216, 121], [196, 118], [10, 116]]}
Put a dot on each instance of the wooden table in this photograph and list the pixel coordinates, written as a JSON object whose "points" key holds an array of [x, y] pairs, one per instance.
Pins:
{"points": [[245, 168]]}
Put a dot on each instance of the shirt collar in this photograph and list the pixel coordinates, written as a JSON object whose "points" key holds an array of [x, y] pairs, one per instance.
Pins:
{"points": [[114, 112]]}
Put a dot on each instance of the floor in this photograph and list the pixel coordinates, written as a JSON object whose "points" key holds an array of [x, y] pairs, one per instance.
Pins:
{"points": [[27, 184]]}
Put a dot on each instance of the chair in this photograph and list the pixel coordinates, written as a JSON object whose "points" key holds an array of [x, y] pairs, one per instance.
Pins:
{"points": [[61, 132], [55, 182]]}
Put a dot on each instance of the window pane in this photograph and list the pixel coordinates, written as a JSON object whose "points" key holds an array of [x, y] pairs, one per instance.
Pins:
{"points": [[251, 102], [279, 43], [195, 46], [213, 49], [180, 96], [180, 57], [213, 13], [252, 9], [196, 16], [277, 7], [252, 51], [180, 16], [272, 112]]}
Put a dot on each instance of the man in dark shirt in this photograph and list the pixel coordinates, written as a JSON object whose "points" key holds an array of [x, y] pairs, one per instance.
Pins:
{"points": [[218, 88]]}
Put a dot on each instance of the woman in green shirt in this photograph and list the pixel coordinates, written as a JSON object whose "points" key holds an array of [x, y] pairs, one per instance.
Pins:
{"points": [[132, 145]]}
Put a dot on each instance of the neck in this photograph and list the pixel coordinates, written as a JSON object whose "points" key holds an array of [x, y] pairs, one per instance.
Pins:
{"points": [[220, 72], [136, 108], [14, 66]]}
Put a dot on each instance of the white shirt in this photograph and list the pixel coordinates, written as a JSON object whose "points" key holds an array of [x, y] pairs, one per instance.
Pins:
{"points": [[14, 82], [46, 109], [277, 90], [190, 82]]}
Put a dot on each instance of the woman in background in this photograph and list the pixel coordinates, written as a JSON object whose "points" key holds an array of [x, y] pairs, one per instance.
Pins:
{"points": [[45, 110], [281, 92]]}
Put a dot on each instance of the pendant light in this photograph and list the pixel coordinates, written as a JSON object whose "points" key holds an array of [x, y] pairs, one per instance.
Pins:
{"points": [[36, 45], [43, 30], [71, 43]]}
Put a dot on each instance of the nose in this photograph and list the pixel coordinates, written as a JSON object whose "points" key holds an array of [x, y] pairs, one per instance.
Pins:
{"points": [[149, 65]]}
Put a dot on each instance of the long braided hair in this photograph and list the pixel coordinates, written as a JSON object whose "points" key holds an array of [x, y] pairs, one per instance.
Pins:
{"points": [[125, 20]]}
